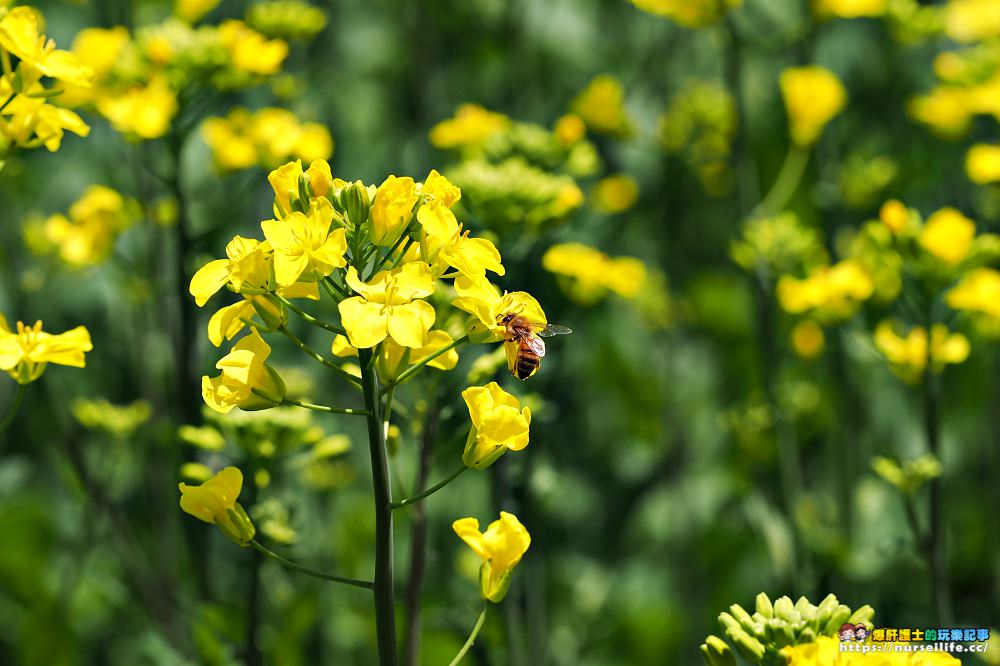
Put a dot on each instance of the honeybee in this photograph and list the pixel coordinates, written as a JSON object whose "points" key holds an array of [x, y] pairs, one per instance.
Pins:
{"points": [[525, 348]]}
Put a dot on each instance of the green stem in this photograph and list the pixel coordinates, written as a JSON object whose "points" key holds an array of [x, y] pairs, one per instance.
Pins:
{"points": [[430, 491], [309, 351], [472, 637], [385, 618], [308, 317], [324, 408], [937, 553], [310, 572], [787, 181], [12, 412], [333, 289], [413, 369], [399, 257]]}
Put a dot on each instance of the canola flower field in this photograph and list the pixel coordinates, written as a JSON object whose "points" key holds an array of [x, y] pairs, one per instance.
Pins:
{"points": [[565, 332]]}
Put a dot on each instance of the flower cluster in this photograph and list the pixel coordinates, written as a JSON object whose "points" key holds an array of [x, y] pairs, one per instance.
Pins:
{"points": [[516, 174], [139, 76], [86, 234], [28, 117], [587, 274], [267, 138], [765, 636], [389, 257]]}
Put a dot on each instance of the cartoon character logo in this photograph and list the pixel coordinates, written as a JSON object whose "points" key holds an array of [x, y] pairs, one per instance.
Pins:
{"points": [[846, 632], [860, 632]]}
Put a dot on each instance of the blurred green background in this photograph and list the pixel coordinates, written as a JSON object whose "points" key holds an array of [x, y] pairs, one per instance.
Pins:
{"points": [[653, 486]]}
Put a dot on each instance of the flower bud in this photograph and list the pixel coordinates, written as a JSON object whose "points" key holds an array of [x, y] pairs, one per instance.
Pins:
{"points": [[271, 312], [716, 652], [237, 526], [764, 606], [357, 202]]}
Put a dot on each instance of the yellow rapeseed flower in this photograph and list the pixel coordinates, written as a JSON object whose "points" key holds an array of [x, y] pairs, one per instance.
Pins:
{"points": [[215, 502], [500, 547], [813, 96], [29, 121], [615, 194], [389, 305], [142, 111], [250, 51], [87, 236], [499, 424], [982, 164], [193, 10], [20, 34], [850, 8], [446, 244], [895, 215], [471, 126], [972, 20], [689, 13], [908, 355], [601, 106], [948, 236], [591, 273], [392, 209], [25, 351], [977, 291], [488, 308], [808, 340], [247, 381], [831, 293], [305, 249]]}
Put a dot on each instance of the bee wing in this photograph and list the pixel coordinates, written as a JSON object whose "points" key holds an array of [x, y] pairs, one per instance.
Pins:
{"points": [[553, 329], [535, 344]]}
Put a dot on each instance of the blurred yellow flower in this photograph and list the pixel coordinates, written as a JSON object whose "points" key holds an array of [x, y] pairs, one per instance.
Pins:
{"points": [[193, 10], [471, 126], [948, 236], [305, 249], [982, 164], [615, 194], [826, 652], [500, 548], [215, 502], [389, 306], [895, 215], [499, 424], [569, 129], [392, 209], [247, 381], [910, 476], [813, 96], [972, 20], [87, 236], [977, 291], [250, 51], [142, 111], [689, 13], [808, 340], [850, 8], [25, 351], [908, 355], [601, 106], [488, 307], [268, 137], [100, 49], [945, 110], [592, 273], [831, 293]]}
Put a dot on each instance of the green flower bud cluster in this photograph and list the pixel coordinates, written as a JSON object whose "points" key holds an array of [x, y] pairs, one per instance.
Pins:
{"points": [[759, 638], [909, 476], [780, 244], [542, 148], [286, 19], [514, 192]]}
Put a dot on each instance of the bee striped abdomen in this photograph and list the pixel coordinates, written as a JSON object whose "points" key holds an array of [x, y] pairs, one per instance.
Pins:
{"points": [[526, 365]]}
